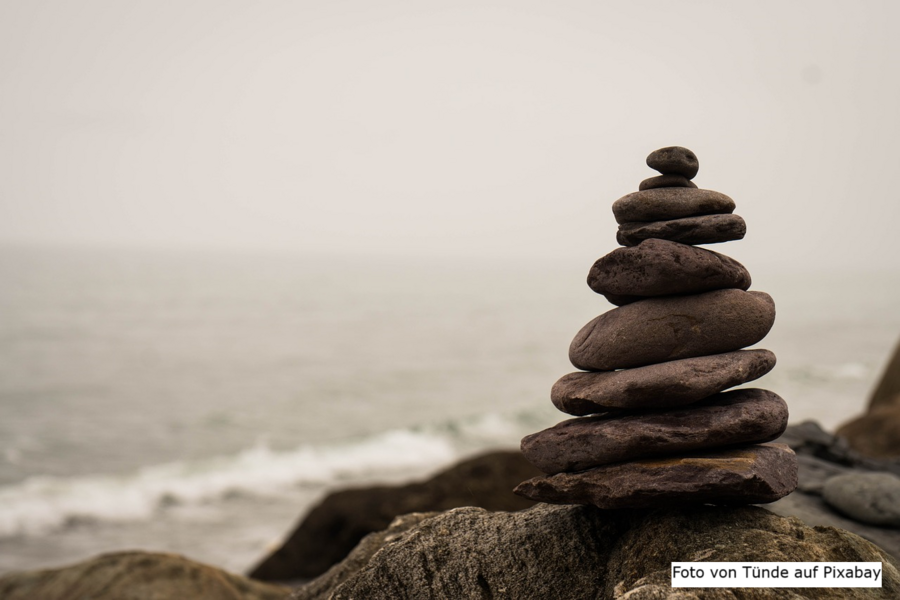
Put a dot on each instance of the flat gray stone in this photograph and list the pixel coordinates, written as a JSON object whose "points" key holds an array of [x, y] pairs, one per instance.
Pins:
{"points": [[865, 497], [674, 160], [748, 475], [664, 268], [673, 327], [664, 204], [738, 417], [663, 385], [708, 229], [666, 181]]}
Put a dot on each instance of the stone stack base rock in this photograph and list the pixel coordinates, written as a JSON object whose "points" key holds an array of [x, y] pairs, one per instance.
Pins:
{"points": [[655, 425]]}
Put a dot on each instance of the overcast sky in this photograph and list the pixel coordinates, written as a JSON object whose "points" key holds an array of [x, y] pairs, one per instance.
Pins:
{"points": [[445, 128]]}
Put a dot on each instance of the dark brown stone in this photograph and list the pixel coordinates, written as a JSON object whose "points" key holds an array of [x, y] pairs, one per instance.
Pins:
{"points": [[888, 389], [663, 204], [674, 160], [664, 385], [673, 327], [662, 181], [333, 527], [748, 475], [876, 433], [708, 229], [739, 417], [663, 268]]}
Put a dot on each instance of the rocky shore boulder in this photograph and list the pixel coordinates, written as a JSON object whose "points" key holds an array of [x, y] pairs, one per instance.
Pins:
{"points": [[568, 551], [877, 432], [136, 576], [332, 528]]}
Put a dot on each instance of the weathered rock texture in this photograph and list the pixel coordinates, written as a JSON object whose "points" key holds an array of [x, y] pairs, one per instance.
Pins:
{"points": [[674, 160], [577, 552], [661, 329], [331, 529], [708, 229], [663, 385], [663, 268], [662, 204], [740, 417], [136, 576], [746, 475]]}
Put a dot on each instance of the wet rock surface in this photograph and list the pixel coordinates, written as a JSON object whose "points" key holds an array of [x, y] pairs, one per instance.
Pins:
{"points": [[746, 475], [740, 417], [708, 229], [662, 329], [662, 385]]}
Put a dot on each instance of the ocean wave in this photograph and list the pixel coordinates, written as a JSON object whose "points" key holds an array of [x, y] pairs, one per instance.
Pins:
{"points": [[42, 504]]}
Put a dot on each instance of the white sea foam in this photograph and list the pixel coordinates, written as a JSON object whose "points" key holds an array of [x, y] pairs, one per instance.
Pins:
{"points": [[42, 504]]}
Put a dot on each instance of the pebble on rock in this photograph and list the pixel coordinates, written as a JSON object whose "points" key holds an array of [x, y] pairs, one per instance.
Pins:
{"points": [[865, 497], [707, 229], [662, 181], [663, 204], [739, 417], [673, 327], [663, 385], [674, 160], [749, 475], [663, 268]]}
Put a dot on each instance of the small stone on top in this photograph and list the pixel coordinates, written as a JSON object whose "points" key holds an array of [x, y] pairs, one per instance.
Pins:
{"points": [[674, 160]]}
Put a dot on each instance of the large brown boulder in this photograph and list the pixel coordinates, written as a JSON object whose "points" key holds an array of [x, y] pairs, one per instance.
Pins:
{"points": [[577, 552], [136, 576], [331, 530], [877, 432]]}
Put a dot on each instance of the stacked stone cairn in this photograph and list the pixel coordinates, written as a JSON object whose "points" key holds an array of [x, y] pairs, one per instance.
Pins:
{"points": [[654, 425]]}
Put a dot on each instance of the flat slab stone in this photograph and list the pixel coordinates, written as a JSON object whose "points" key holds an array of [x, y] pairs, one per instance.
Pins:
{"points": [[673, 327], [666, 181], [738, 417], [865, 497], [664, 268], [663, 385], [750, 475], [708, 229], [663, 204], [674, 160]]}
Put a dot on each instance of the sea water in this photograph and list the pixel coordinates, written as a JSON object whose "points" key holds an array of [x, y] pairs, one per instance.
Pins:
{"points": [[200, 403]]}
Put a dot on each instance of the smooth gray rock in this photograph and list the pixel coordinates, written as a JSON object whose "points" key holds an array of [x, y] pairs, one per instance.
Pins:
{"points": [[708, 229], [674, 160], [664, 268], [866, 497], [663, 385], [744, 416], [670, 328], [663, 204], [576, 552], [746, 475], [666, 181]]}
